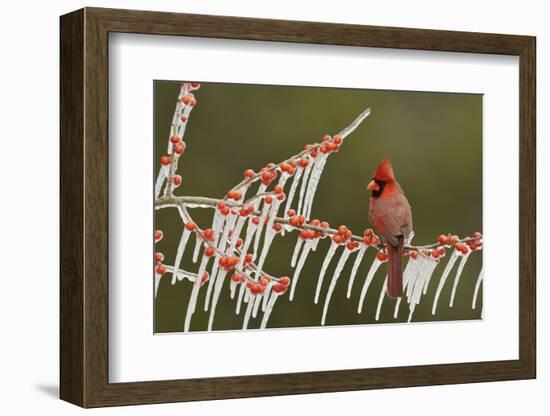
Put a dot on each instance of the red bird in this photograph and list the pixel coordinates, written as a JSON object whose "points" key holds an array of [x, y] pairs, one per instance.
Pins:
{"points": [[390, 213]]}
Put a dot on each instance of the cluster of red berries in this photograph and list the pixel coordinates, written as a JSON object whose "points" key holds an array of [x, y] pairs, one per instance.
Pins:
{"points": [[462, 247], [330, 146], [342, 236], [179, 145], [228, 262], [381, 255], [246, 211], [268, 174], [369, 238], [282, 285], [289, 168], [234, 195], [159, 268]]}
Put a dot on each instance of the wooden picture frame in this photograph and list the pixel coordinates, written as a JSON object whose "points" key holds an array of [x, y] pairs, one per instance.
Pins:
{"points": [[84, 207]]}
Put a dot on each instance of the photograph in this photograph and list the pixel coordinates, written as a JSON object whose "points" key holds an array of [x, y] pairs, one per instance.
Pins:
{"points": [[279, 206]]}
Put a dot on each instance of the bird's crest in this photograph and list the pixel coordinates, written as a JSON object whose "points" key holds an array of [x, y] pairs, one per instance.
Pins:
{"points": [[384, 171]]}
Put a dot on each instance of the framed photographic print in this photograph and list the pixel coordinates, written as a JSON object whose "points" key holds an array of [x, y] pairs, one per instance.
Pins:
{"points": [[261, 207]]}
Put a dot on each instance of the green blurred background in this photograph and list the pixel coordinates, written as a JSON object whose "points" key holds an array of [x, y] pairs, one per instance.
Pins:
{"points": [[433, 139]]}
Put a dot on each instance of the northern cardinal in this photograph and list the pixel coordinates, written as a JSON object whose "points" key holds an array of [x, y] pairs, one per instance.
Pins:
{"points": [[390, 213]]}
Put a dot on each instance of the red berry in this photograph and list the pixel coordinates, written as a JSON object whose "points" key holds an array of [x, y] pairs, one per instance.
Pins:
{"points": [[158, 235], [304, 235], [302, 219], [476, 234], [326, 138], [367, 240], [285, 167], [179, 148], [237, 278], [368, 232], [414, 254], [277, 227], [237, 196], [209, 234], [186, 99], [323, 149], [248, 258], [314, 153], [342, 229], [239, 242], [225, 211], [382, 256], [244, 211], [184, 118], [195, 85], [303, 163], [278, 189], [204, 277], [159, 257], [331, 147], [281, 196], [175, 139], [190, 226], [249, 173], [165, 160], [160, 269], [255, 220], [268, 200], [280, 288], [291, 213], [264, 281], [337, 139], [176, 180], [337, 239], [460, 247], [453, 239], [209, 252], [285, 281], [231, 194], [350, 245], [442, 239]]}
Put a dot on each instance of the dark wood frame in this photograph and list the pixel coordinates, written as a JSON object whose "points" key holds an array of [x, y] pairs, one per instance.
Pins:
{"points": [[84, 207]]}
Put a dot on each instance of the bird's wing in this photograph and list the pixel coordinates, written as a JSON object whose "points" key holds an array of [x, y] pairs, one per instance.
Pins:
{"points": [[392, 217]]}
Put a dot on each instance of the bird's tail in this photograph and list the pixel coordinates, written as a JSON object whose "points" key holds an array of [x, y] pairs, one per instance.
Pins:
{"points": [[395, 269]]}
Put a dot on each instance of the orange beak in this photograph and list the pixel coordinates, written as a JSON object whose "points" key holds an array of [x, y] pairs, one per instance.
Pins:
{"points": [[373, 186]]}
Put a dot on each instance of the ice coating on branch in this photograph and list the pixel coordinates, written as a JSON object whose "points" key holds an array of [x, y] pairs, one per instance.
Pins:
{"points": [[356, 264], [297, 247], [307, 171], [179, 254], [443, 278], [314, 183], [458, 275], [326, 262], [370, 275], [161, 177], [273, 298], [381, 298], [476, 290], [339, 267], [217, 289], [307, 249]]}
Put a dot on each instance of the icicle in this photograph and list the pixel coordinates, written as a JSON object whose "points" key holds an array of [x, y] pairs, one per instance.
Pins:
{"points": [[326, 262], [299, 242], [292, 192], [250, 230], [307, 171], [179, 253], [270, 234], [236, 234], [356, 264], [163, 173], [411, 311], [457, 276], [192, 302], [157, 282], [248, 312], [242, 289], [263, 218], [340, 265], [425, 274], [312, 189], [202, 269], [411, 274], [381, 298], [217, 224], [198, 245], [232, 288], [476, 290], [307, 247], [257, 302], [267, 293], [406, 277], [215, 297], [370, 275], [443, 278], [268, 310]]}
